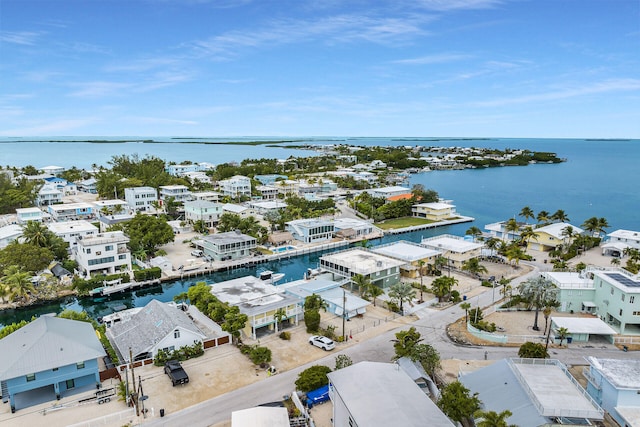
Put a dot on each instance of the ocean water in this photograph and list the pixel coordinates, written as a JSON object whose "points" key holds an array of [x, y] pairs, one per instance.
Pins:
{"points": [[599, 178]]}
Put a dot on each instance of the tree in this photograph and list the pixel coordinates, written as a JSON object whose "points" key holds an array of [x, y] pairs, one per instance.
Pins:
{"points": [[441, 287], [440, 262], [405, 342], [234, 322], [313, 378], [362, 282], [36, 233], [492, 244], [25, 256], [147, 232], [312, 305], [374, 292], [421, 267], [200, 226], [560, 216], [458, 404], [532, 350], [511, 226], [279, 315], [527, 213], [539, 292], [428, 357], [562, 333], [401, 292], [543, 217], [526, 234], [342, 361], [18, 283], [473, 231], [473, 267], [515, 253], [466, 306], [493, 419]]}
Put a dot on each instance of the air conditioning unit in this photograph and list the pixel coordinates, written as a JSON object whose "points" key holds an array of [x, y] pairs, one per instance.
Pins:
{"points": [[98, 253]]}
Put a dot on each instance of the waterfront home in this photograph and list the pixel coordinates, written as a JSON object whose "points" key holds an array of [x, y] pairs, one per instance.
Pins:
{"points": [[617, 299], [353, 228], [576, 291], [338, 300], [50, 357], [141, 199], [202, 210], [228, 246], [109, 207], [197, 177], [321, 185], [369, 177], [287, 187], [412, 254], [88, 185], [179, 193], [107, 221], [72, 211], [156, 327], [457, 250], [536, 391], [103, 253], [619, 240], [267, 192], [387, 192], [381, 270], [179, 170], [260, 301], [380, 394], [70, 230], [436, 211], [240, 210], [269, 179], [67, 188], [549, 236], [311, 230], [52, 170], [211, 196], [264, 206], [48, 194], [236, 186], [615, 385], [25, 215], [499, 230], [9, 233]]}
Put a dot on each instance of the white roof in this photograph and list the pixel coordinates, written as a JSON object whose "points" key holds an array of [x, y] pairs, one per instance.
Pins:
{"points": [[583, 325], [556, 228], [261, 416], [382, 394], [69, 206], [360, 261], [436, 205], [631, 414], [451, 243], [46, 343], [344, 222], [10, 231], [392, 189], [568, 279], [625, 234], [269, 204], [406, 251], [27, 210], [71, 226], [112, 202], [621, 373], [234, 208]]}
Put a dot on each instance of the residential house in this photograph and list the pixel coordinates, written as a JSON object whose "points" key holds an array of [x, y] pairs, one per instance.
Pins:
{"points": [[156, 327], [211, 196], [50, 356], [260, 301], [228, 246], [52, 170], [29, 214], [580, 329], [88, 185], [499, 230], [338, 300], [201, 177], [455, 249], [287, 187], [268, 192], [70, 230], [103, 253], [352, 228], [9, 233], [72, 211], [236, 186], [435, 211], [381, 270], [179, 170], [240, 210], [615, 385], [373, 394], [48, 194], [368, 177], [617, 299], [576, 290], [536, 391], [619, 240], [264, 206], [550, 236], [414, 256], [269, 179], [179, 193], [109, 207], [311, 230], [386, 192], [107, 221], [202, 210], [377, 164], [67, 188], [141, 199]]}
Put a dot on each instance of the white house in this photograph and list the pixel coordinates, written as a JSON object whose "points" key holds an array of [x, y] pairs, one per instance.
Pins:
{"points": [[455, 249], [48, 195], [141, 199], [232, 208], [180, 193], [71, 211], [103, 253], [236, 186], [52, 170], [228, 246], [9, 233], [88, 185], [108, 207], [70, 230], [386, 192], [157, 326], [211, 196], [620, 240], [202, 210], [29, 214]]}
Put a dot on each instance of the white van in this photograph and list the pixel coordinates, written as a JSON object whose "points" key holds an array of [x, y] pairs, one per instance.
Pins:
{"points": [[197, 253]]}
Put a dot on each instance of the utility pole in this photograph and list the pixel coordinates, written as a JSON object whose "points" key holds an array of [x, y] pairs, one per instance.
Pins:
{"points": [[134, 393], [344, 312]]}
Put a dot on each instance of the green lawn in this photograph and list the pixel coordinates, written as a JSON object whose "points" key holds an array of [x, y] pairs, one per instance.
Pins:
{"points": [[406, 221]]}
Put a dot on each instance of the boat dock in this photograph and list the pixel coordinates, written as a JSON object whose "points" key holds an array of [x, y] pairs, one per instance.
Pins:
{"points": [[114, 288], [458, 220]]}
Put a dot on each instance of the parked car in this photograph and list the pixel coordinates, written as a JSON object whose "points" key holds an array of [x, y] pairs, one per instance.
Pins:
{"points": [[323, 342], [197, 253], [176, 372]]}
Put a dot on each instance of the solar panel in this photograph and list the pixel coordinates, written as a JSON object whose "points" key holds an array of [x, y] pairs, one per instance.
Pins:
{"points": [[621, 278]]}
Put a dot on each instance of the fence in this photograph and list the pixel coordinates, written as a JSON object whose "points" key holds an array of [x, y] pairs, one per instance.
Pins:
{"points": [[362, 325], [128, 414], [626, 340]]}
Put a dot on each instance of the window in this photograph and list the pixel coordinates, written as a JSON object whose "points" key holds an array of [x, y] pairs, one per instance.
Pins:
{"points": [[108, 248], [176, 334], [80, 365], [122, 256], [54, 369], [631, 299], [620, 312], [636, 313], [31, 377], [70, 384]]}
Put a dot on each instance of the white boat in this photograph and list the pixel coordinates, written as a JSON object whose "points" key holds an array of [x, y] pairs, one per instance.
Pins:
{"points": [[270, 277]]}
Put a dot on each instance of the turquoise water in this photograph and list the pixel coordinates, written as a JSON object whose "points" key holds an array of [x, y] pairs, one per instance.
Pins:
{"points": [[600, 178]]}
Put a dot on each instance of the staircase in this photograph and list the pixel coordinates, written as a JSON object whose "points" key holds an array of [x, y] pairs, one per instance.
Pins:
{"points": [[5, 391]]}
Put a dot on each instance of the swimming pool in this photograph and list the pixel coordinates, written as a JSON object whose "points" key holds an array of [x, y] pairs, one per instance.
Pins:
{"points": [[281, 249]]}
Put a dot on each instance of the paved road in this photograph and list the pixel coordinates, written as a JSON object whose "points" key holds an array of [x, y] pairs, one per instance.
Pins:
{"points": [[432, 326]]}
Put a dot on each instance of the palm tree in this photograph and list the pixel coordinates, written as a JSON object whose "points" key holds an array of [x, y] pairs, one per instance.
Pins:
{"points": [[562, 333], [402, 292], [567, 233], [279, 315], [540, 292], [474, 267], [493, 419], [466, 306], [615, 261], [475, 232], [527, 234], [441, 287], [440, 262], [591, 225], [36, 233], [602, 224], [421, 264], [515, 252], [560, 216], [547, 312], [527, 213], [511, 226], [362, 282], [374, 291], [18, 283], [492, 244]]}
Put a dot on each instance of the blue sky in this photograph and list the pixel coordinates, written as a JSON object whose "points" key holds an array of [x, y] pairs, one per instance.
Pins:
{"points": [[488, 68]]}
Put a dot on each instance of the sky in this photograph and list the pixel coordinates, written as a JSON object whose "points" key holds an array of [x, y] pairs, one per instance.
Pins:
{"points": [[223, 68]]}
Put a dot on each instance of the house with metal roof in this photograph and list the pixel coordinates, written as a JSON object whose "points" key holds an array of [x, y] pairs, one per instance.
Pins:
{"points": [[50, 357], [415, 256], [228, 246], [619, 240], [157, 326], [615, 384], [381, 270], [377, 394], [537, 392], [548, 237], [457, 250]]}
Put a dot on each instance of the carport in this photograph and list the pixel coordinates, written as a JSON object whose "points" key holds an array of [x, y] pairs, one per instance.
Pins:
{"points": [[34, 397], [581, 329]]}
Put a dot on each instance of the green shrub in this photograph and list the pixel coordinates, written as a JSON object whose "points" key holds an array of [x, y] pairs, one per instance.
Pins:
{"points": [[329, 332], [147, 274], [285, 335], [313, 378], [455, 296], [392, 306], [183, 353], [260, 355], [312, 320]]}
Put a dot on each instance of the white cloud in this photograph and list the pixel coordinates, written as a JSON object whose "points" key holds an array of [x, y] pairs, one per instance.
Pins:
{"points": [[433, 59], [26, 38], [99, 89], [445, 5]]}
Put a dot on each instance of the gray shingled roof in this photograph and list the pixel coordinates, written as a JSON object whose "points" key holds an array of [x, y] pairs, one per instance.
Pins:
{"points": [[147, 327], [46, 343]]}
